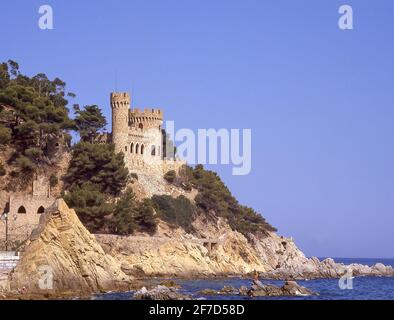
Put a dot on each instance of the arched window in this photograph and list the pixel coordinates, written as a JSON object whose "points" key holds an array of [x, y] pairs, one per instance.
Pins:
{"points": [[41, 210], [153, 151], [137, 148], [22, 210], [141, 126], [132, 148], [142, 149], [125, 148]]}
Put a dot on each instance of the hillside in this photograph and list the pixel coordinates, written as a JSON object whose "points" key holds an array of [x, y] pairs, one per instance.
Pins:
{"points": [[152, 222]]}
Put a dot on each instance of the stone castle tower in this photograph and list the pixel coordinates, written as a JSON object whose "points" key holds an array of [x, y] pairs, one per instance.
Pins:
{"points": [[120, 104], [138, 134]]}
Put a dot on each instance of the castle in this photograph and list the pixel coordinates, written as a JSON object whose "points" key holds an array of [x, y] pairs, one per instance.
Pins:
{"points": [[139, 135]]}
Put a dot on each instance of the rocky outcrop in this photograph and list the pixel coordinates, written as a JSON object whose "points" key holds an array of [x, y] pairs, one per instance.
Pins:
{"points": [[284, 260], [182, 257], [313, 268], [290, 288], [62, 256], [173, 253], [258, 289], [160, 293]]}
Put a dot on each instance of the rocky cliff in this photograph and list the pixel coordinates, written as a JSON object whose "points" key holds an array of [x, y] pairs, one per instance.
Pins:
{"points": [[62, 256], [170, 252], [224, 252], [284, 260]]}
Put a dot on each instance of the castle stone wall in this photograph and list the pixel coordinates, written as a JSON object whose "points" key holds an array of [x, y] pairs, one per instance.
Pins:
{"points": [[24, 212]]}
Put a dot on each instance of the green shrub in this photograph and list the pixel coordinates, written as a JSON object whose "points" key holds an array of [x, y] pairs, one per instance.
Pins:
{"points": [[34, 154], [176, 211], [145, 217], [5, 135], [170, 176], [90, 204], [214, 195], [131, 215], [53, 180], [25, 164]]}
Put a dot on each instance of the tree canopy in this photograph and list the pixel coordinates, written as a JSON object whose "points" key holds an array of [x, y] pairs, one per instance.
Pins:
{"points": [[89, 121], [33, 114], [98, 164], [213, 195]]}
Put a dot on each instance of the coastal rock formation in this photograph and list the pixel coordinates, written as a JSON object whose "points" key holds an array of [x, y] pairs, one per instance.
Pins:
{"points": [[62, 256], [181, 256], [258, 289], [313, 268], [284, 260], [160, 293], [172, 252], [290, 288]]}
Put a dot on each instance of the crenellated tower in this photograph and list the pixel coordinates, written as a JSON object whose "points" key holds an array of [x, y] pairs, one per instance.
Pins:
{"points": [[138, 134], [120, 104]]}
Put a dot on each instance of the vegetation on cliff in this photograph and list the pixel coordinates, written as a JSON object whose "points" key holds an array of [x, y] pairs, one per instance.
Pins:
{"points": [[99, 165], [95, 175], [214, 197], [178, 212], [35, 126], [90, 204], [89, 122], [131, 215], [33, 117]]}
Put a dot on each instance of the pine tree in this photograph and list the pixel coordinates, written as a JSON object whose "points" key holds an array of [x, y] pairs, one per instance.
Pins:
{"points": [[90, 204], [89, 122], [99, 164], [124, 222]]}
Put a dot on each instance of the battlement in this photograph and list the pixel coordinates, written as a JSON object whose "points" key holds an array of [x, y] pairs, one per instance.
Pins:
{"points": [[119, 99], [137, 132], [147, 114]]}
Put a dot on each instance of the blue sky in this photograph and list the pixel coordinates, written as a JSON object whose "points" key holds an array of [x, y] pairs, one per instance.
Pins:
{"points": [[319, 100]]}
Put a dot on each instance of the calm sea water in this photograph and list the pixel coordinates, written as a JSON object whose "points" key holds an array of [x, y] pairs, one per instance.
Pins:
{"points": [[363, 287]]}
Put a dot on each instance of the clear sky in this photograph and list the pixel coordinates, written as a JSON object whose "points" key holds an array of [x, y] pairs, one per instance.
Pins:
{"points": [[319, 100]]}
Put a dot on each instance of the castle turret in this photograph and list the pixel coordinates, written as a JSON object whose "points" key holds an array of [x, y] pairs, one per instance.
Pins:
{"points": [[120, 104]]}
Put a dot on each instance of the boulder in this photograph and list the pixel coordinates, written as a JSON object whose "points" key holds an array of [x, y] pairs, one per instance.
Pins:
{"points": [[290, 288], [160, 293]]}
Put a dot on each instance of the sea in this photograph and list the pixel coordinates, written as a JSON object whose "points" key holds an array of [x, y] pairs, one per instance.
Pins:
{"points": [[361, 288]]}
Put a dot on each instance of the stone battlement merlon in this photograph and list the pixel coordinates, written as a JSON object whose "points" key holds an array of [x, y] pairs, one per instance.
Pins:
{"points": [[120, 99], [146, 113]]}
